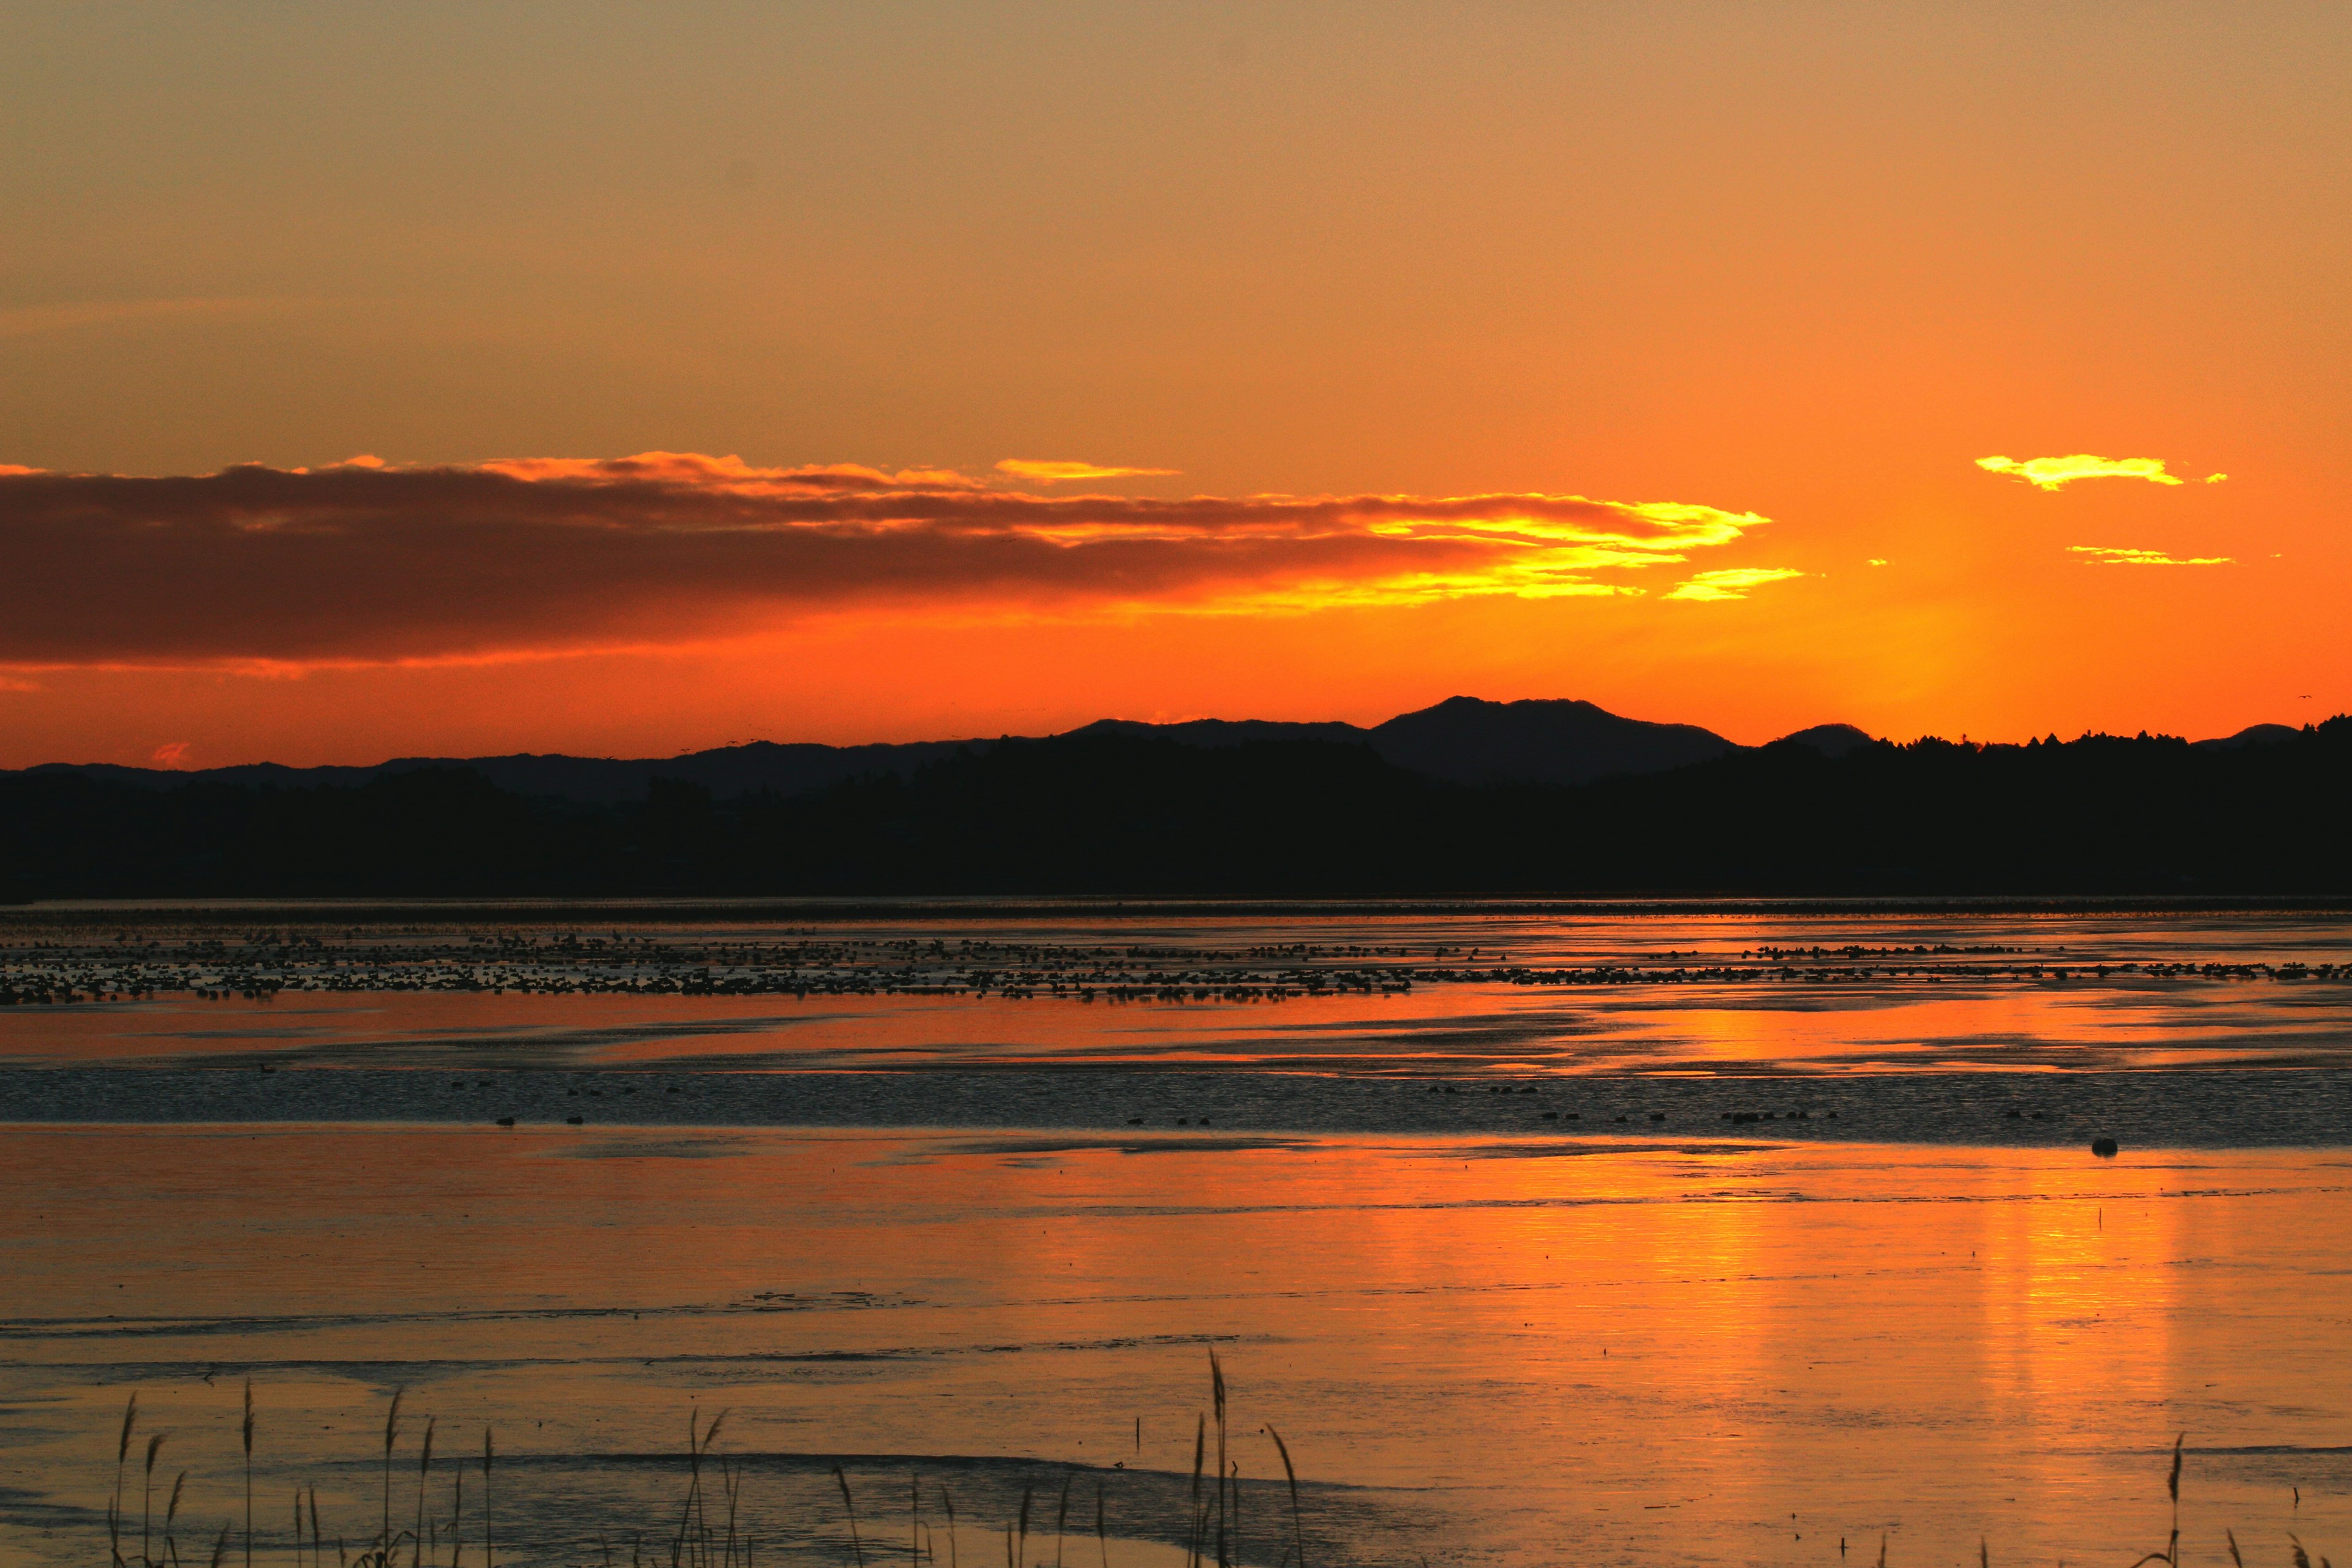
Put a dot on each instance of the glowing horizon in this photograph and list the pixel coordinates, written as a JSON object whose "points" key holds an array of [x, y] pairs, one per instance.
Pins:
{"points": [[378, 383]]}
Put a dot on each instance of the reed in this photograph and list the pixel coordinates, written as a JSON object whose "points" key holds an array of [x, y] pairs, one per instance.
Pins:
{"points": [[171, 1517], [391, 1436], [147, 1497], [850, 1505], [489, 1552], [121, 1458], [1217, 1399], [247, 1434], [1298, 1530], [1214, 1524], [1200, 1441]]}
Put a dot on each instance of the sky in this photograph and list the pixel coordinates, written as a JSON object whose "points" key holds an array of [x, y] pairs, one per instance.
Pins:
{"points": [[399, 379]]}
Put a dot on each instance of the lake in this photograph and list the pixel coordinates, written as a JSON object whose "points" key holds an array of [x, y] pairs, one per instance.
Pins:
{"points": [[1763, 1234]]}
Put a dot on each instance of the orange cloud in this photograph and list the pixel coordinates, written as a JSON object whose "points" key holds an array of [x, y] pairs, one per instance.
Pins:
{"points": [[359, 564], [1062, 473], [2111, 555], [1729, 583], [2057, 473]]}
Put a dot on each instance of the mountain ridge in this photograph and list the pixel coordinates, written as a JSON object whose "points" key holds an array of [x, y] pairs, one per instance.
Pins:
{"points": [[1462, 739]]}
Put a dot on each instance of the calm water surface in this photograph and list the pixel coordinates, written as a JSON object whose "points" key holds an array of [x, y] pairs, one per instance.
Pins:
{"points": [[964, 1236]]}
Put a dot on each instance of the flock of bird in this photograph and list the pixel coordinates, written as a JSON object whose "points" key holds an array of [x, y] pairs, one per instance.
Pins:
{"points": [[69, 967]]}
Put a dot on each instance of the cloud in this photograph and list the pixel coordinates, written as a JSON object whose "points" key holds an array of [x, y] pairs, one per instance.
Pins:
{"points": [[1062, 473], [2113, 555], [2056, 473], [351, 563], [1730, 582], [9, 683]]}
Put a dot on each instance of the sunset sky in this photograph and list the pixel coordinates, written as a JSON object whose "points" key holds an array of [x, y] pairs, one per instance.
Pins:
{"points": [[625, 380]]}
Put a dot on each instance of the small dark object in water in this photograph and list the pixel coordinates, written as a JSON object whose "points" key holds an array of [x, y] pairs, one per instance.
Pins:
{"points": [[1135, 1122], [506, 1122], [2016, 1115], [1204, 1121], [2105, 1148], [673, 1089], [1551, 1116], [576, 1120], [1657, 1116], [1182, 1122]]}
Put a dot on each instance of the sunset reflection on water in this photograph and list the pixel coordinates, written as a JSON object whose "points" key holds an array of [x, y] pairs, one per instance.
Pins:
{"points": [[1717, 1351]]}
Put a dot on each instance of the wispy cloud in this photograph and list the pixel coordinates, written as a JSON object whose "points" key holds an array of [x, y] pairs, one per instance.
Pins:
{"points": [[361, 562], [1730, 582], [1062, 473], [2057, 473], [2116, 556]]}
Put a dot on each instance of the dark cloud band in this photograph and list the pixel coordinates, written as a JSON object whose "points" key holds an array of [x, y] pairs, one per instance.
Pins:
{"points": [[366, 562]]}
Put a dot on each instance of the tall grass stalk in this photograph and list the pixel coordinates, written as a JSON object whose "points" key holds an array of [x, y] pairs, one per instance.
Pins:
{"points": [[121, 1458], [147, 1497], [850, 1505], [170, 1516], [1217, 1397], [1200, 1449], [947, 1501], [248, 1472], [424, 1471], [489, 1552], [1297, 1530], [391, 1435]]}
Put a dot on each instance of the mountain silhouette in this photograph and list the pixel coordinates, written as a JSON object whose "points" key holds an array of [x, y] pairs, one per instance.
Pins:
{"points": [[1466, 740], [1125, 810], [1829, 740], [1462, 740], [2252, 736]]}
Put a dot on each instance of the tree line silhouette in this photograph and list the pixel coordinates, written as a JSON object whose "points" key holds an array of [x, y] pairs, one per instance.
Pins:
{"points": [[1095, 813]]}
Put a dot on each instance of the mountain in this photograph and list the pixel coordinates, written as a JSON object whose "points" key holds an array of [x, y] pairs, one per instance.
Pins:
{"points": [[2252, 736], [726, 771], [1118, 813], [1829, 740], [1462, 740], [1465, 740]]}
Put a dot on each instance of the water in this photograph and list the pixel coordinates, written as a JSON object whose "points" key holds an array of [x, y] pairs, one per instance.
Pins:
{"points": [[903, 1227]]}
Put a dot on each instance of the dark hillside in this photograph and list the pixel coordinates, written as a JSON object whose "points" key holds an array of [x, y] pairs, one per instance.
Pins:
{"points": [[1111, 812]]}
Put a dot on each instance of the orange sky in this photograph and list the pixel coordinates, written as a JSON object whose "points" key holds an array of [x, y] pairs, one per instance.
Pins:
{"points": [[1794, 270]]}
